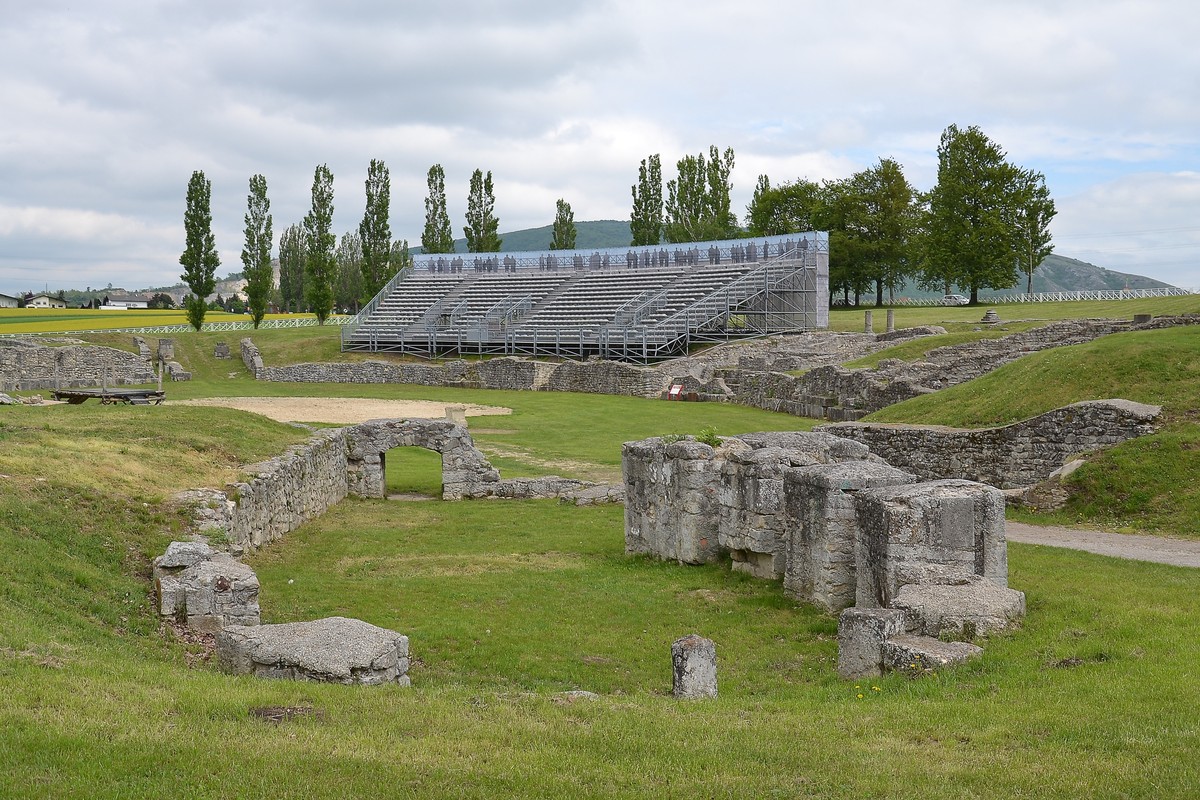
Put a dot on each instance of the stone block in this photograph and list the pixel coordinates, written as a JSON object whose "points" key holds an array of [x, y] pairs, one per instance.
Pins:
{"points": [[693, 667], [975, 607], [927, 533], [335, 650], [821, 529], [906, 652], [208, 595], [861, 634]]}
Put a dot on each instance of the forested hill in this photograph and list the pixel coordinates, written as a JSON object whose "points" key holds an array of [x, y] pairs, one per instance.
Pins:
{"points": [[1056, 274]]}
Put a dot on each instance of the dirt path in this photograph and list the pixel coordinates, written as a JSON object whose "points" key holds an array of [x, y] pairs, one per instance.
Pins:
{"points": [[349, 410], [1159, 549]]}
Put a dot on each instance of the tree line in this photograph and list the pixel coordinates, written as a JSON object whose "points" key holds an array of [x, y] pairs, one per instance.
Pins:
{"points": [[983, 223], [317, 271]]}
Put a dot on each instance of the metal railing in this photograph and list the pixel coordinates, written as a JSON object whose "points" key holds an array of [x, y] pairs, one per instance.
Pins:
{"points": [[1055, 297], [209, 327]]}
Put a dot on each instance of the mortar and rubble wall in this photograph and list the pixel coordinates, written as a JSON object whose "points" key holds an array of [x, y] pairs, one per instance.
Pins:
{"points": [[26, 364]]}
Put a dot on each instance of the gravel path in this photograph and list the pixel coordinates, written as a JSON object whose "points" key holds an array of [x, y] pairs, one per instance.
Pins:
{"points": [[340, 409], [1159, 549]]}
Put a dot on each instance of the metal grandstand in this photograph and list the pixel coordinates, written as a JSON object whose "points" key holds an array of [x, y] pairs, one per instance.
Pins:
{"points": [[637, 304]]}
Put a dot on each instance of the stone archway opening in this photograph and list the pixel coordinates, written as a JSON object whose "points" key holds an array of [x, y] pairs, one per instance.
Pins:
{"points": [[412, 473]]}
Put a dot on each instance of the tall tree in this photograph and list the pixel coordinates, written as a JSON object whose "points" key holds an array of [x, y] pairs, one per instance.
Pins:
{"points": [[482, 223], [319, 240], [438, 236], [401, 257], [877, 226], [291, 268], [374, 234], [698, 200], [348, 290], [256, 252], [788, 208], [1035, 209], [562, 235], [646, 220], [971, 237], [199, 258]]}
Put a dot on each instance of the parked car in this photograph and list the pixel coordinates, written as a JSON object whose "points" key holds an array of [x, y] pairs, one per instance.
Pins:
{"points": [[955, 300]]}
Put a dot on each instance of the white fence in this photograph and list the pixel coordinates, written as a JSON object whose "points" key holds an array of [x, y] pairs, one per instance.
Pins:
{"points": [[209, 327], [1059, 297]]}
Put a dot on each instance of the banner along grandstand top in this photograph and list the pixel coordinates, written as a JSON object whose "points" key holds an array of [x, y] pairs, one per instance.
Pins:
{"points": [[636, 304]]}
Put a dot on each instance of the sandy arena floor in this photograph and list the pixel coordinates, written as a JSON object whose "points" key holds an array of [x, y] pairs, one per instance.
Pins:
{"points": [[338, 409]]}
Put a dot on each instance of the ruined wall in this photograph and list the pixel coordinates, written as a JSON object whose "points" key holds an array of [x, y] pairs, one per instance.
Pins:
{"points": [[1012, 456], [27, 365], [840, 527], [600, 377]]}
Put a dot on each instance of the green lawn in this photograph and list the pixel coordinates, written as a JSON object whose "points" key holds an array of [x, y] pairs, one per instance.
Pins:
{"points": [[509, 603]]}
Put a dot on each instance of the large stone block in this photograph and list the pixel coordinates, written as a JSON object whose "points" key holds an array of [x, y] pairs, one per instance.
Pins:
{"points": [[935, 532], [204, 589], [822, 528], [975, 607], [335, 650], [906, 652], [861, 634]]}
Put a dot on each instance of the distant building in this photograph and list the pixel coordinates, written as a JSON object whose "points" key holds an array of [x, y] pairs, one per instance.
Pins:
{"points": [[45, 301], [8, 301], [123, 302]]}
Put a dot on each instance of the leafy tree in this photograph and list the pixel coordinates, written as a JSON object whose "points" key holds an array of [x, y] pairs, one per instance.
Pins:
{"points": [[291, 268], [256, 252], [646, 221], [877, 218], [199, 259], [562, 235], [438, 236], [161, 301], [789, 208], [319, 240], [401, 257], [481, 224], [348, 289], [374, 235], [1035, 209], [971, 227], [698, 204]]}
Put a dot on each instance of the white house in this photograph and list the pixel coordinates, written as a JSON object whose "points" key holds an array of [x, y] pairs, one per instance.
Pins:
{"points": [[8, 301], [45, 301], [121, 302]]}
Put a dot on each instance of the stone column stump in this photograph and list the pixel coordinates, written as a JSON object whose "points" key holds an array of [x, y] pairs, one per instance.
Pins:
{"points": [[693, 667]]}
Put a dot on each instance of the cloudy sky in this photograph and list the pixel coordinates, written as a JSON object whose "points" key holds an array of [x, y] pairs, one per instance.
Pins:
{"points": [[108, 107]]}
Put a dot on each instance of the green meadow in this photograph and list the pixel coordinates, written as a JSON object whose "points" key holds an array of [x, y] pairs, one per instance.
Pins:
{"points": [[509, 604]]}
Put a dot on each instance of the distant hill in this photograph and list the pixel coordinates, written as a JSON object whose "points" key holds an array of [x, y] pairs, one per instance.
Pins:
{"points": [[588, 235], [1061, 274]]}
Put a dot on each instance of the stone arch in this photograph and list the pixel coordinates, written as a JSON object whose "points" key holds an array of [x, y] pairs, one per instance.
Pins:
{"points": [[465, 470]]}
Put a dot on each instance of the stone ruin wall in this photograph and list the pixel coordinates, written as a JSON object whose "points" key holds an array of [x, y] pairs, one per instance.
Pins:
{"points": [[282, 493], [838, 525], [26, 365], [597, 377], [1009, 457]]}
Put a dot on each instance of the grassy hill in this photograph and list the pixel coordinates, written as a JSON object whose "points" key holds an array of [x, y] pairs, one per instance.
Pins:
{"points": [[510, 603]]}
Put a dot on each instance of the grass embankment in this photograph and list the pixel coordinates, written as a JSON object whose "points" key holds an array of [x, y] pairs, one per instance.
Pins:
{"points": [[1146, 484], [508, 603]]}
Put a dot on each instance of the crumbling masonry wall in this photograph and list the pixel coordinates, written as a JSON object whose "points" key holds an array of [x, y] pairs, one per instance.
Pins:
{"points": [[1008, 457], [25, 364]]}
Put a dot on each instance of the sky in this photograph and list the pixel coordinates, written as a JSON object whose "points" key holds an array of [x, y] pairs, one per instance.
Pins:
{"points": [[109, 106]]}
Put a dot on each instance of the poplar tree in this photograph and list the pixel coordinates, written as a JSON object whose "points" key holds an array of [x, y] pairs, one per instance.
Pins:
{"points": [[319, 241], [698, 200], [646, 219], [438, 236], [562, 235], [375, 233], [348, 289], [256, 252], [199, 258], [291, 268], [1035, 209], [482, 224]]}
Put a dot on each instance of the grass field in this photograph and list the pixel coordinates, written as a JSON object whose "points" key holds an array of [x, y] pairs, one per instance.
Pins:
{"points": [[509, 603]]}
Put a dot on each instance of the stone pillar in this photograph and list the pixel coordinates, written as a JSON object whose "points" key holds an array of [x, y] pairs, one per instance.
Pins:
{"points": [[868, 324], [822, 528], [693, 667], [891, 320], [940, 532], [166, 349], [861, 634], [221, 350], [457, 414], [671, 508]]}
